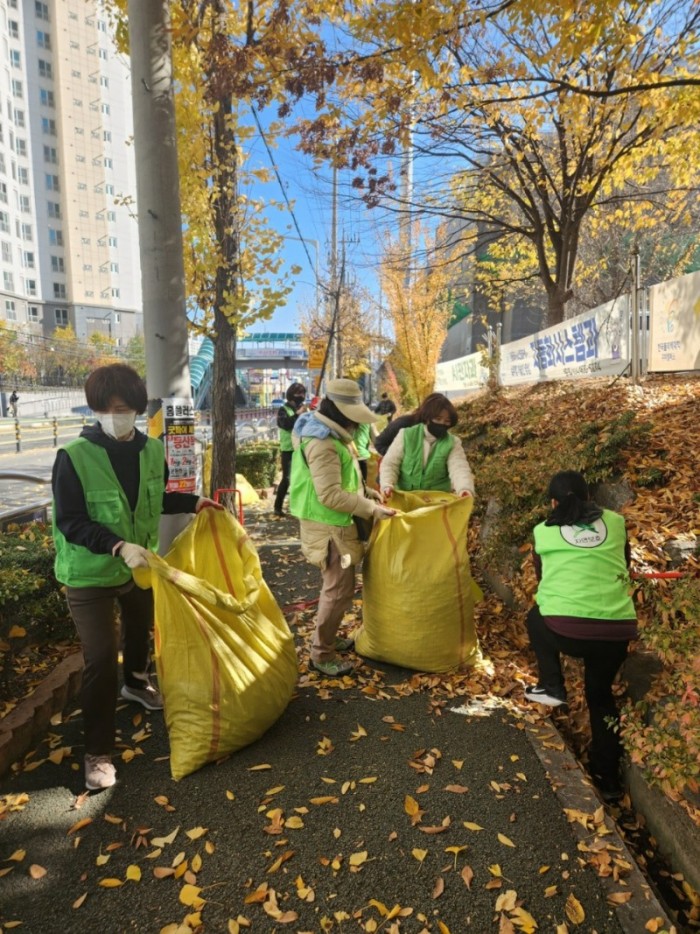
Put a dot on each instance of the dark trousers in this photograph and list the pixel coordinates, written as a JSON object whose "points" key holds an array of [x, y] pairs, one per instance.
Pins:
{"points": [[286, 458], [602, 660], [92, 609]]}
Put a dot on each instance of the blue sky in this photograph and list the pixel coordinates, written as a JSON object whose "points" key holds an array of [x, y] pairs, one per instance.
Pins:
{"points": [[309, 188]]}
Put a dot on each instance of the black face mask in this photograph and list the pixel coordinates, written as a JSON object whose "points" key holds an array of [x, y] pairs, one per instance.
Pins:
{"points": [[437, 430], [298, 401]]}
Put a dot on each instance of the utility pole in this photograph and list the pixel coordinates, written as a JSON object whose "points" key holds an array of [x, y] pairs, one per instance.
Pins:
{"points": [[335, 289], [160, 239], [634, 303]]}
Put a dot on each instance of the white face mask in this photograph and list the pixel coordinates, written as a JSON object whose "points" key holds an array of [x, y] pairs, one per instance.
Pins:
{"points": [[117, 425]]}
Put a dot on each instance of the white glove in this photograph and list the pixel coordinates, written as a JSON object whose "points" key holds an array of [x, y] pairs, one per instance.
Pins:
{"points": [[386, 492], [134, 556], [381, 512]]}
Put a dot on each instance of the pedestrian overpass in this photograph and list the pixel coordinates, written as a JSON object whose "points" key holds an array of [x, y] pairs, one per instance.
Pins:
{"points": [[255, 351]]}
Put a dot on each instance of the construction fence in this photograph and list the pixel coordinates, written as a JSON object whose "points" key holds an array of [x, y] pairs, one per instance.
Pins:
{"points": [[599, 342]]}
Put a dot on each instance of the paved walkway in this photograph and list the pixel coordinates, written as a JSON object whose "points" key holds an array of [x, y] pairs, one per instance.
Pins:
{"points": [[370, 806]]}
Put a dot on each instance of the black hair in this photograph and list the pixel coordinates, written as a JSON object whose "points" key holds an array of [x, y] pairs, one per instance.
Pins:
{"points": [[433, 406], [296, 389], [115, 379], [331, 410], [570, 490]]}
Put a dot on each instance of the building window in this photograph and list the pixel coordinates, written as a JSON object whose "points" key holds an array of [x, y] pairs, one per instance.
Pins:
{"points": [[15, 58], [3, 192], [59, 290], [52, 183], [61, 316], [77, 102], [2, 158], [8, 280], [51, 154], [105, 108], [80, 158], [109, 189], [117, 317], [23, 175], [12, 4], [109, 164], [10, 312], [41, 10], [87, 267], [4, 221], [55, 237], [13, 27], [21, 146], [75, 46], [84, 213], [30, 286], [107, 136], [111, 216], [6, 252], [27, 259], [82, 186], [57, 264], [54, 209], [43, 39], [32, 310], [17, 89], [85, 241], [47, 98], [27, 233], [103, 54], [75, 73], [25, 204], [19, 119], [115, 293], [80, 131], [113, 241], [48, 126], [104, 81], [45, 69], [114, 267]]}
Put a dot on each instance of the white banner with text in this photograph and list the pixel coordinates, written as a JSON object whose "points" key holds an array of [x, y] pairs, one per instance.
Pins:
{"points": [[674, 342], [461, 375]]}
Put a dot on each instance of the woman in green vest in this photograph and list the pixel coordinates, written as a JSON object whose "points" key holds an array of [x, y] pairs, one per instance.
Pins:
{"points": [[287, 416], [425, 456], [326, 495], [109, 491], [584, 609]]}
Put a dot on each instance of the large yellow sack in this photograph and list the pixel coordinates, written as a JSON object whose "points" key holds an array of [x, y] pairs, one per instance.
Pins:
{"points": [[225, 657], [418, 593]]}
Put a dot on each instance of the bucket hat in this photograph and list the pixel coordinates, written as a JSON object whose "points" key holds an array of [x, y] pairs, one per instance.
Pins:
{"points": [[347, 396]]}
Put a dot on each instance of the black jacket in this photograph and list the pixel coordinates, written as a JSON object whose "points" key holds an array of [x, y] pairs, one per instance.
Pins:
{"points": [[382, 442], [69, 507]]}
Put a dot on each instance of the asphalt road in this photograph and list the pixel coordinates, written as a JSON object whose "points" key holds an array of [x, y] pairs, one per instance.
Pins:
{"points": [[385, 791]]}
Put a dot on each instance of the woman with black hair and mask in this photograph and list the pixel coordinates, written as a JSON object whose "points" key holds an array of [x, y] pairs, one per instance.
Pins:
{"points": [[327, 493], [287, 416], [109, 491], [425, 456], [583, 609]]}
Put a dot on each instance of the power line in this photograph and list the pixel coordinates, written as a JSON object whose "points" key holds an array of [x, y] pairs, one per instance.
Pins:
{"points": [[303, 239]]}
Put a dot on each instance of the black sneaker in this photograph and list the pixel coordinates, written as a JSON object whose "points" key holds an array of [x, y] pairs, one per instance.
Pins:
{"points": [[609, 789], [550, 698]]}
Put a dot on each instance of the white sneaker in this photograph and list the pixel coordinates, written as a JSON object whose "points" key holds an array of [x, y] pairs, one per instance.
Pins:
{"points": [[99, 772], [148, 696]]}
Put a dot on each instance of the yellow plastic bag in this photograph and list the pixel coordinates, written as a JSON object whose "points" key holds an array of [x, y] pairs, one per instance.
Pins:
{"points": [[225, 657], [249, 495], [418, 593]]}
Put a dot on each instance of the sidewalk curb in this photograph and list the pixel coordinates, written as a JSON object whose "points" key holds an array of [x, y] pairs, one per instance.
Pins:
{"points": [[574, 790], [32, 716]]}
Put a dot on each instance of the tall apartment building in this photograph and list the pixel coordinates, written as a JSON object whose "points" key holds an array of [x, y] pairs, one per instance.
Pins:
{"points": [[68, 244]]}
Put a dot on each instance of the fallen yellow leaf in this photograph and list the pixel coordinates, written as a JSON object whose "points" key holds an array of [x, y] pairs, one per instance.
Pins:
{"points": [[574, 909], [506, 841], [110, 883], [419, 854], [196, 832], [133, 873], [37, 872]]}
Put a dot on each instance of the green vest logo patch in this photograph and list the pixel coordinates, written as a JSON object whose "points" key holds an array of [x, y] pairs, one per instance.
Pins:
{"points": [[588, 535]]}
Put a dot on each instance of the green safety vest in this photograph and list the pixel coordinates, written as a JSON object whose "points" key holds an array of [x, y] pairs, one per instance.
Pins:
{"points": [[361, 439], [434, 476], [303, 500], [107, 504], [583, 569], [286, 436]]}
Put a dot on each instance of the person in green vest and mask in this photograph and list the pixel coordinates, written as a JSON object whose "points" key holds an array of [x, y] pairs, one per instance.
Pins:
{"points": [[326, 494], [583, 609], [425, 456], [108, 495], [287, 416]]}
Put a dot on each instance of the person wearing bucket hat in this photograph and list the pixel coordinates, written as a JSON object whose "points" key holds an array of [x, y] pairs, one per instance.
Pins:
{"points": [[327, 495]]}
